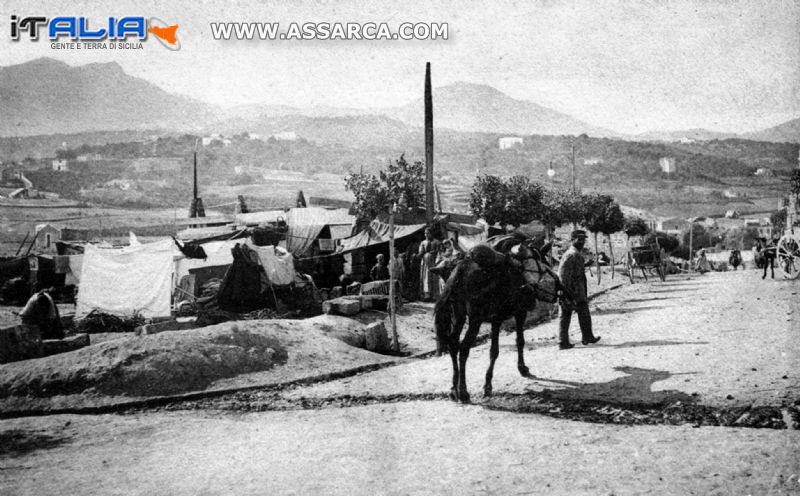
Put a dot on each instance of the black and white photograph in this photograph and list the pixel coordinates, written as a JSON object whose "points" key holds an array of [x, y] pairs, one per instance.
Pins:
{"points": [[360, 247]]}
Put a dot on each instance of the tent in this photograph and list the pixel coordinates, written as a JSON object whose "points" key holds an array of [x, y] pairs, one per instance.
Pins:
{"points": [[376, 233], [122, 281], [305, 225], [141, 278]]}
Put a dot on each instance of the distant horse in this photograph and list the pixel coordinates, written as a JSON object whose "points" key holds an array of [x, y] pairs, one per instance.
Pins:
{"points": [[769, 250], [490, 286]]}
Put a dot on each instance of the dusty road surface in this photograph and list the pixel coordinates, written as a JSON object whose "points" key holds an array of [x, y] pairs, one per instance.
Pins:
{"points": [[638, 413]]}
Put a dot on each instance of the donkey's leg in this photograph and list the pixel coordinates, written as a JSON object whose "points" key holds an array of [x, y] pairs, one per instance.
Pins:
{"points": [[519, 319], [493, 352], [452, 345], [463, 354]]}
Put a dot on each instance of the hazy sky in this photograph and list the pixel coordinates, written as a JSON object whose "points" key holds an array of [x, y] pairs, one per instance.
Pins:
{"points": [[628, 66]]}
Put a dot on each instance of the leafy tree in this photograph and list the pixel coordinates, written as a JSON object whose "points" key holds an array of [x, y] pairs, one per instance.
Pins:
{"points": [[376, 195], [523, 201], [552, 211], [740, 238], [488, 199], [794, 182], [778, 220], [635, 226], [701, 237], [666, 241], [602, 215]]}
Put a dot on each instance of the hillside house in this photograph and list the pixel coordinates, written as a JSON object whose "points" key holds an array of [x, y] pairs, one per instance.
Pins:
{"points": [[60, 165], [673, 226], [764, 171], [507, 142], [285, 136], [46, 237], [593, 161], [668, 165]]}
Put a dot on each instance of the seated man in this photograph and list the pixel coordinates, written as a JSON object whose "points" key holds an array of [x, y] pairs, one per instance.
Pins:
{"points": [[41, 311]]}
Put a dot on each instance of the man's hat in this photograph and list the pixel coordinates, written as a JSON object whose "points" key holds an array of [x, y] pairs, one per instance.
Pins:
{"points": [[578, 233]]}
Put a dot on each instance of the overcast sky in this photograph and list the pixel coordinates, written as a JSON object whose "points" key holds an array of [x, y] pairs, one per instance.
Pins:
{"points": [[627, 66]]}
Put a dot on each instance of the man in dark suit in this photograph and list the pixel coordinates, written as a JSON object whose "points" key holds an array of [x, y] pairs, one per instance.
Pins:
{"points": [[572, 273]]}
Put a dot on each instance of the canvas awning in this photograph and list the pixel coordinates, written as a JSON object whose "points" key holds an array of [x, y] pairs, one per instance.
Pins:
{"points": [[376, 233], [260, 218], [305, 225]]}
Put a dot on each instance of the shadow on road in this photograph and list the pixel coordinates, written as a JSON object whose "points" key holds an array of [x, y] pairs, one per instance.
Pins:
{"points": [[635, 387], [611, 311], [656, 342], [14, 443]]}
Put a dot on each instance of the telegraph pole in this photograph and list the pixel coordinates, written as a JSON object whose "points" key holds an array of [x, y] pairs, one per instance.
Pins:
{"points": [[428, 146]]}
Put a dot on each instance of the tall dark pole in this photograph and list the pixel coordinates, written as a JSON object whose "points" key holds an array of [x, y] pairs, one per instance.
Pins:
{"points": [[428, 145], [194, 195], [573, 166]]}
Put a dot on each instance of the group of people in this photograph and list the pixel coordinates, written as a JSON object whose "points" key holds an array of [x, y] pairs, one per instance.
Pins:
{"points": [[431, 253], [571, 271]]}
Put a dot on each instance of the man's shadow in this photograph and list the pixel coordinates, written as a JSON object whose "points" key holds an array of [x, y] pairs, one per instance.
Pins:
{"points": [[634, 388]]}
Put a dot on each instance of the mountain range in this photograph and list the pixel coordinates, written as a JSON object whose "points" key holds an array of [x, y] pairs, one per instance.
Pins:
{"points": [[46, 96]]}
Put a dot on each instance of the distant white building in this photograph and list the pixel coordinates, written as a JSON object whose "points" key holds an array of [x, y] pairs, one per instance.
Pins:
{"points": [[729, 193], [668, 165], [60, 164], [509, 142], [593, 161], [285, 136], [764, 171]]}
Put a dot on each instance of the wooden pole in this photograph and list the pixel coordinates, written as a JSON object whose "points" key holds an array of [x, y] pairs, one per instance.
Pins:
{"points": [[691, 234], [428, 145], [573, 167], [392, 278], [23, 243]]}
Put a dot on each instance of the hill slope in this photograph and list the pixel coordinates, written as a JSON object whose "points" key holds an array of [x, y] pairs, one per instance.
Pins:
{"points": [[45, 96]]}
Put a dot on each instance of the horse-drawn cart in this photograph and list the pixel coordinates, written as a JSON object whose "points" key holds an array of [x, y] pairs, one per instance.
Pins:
{"points": [[648, 258], [788, 247]]}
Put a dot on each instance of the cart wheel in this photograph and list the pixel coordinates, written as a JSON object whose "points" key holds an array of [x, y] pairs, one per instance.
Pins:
{"points": [[788, 257]]}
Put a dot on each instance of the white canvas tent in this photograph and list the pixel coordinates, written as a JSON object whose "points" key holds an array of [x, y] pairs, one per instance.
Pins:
{"points": [[141, 277]]}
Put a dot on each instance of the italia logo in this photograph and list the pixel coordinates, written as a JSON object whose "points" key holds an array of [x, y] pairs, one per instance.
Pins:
{"points": [[129, 28]]}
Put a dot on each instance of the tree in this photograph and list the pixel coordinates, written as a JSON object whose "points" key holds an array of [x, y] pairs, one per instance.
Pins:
{"points": [[778, 220], [602, 215], [488, 199], [701, 237], [635, 226], [794, 182], [376, 195], [513, 202], [523, 201], [666, 241]]}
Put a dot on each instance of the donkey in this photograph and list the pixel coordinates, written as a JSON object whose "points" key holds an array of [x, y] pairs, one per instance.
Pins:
{"points": [[490, 286]]}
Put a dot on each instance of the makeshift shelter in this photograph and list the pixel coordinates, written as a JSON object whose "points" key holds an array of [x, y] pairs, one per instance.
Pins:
{"points": [[306, 226], [123, 281], [360, 250], [143, 277]]}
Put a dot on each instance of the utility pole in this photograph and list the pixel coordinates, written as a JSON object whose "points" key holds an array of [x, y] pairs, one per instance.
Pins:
{"points": [[573, 166], [428, 146], [392, 279]]}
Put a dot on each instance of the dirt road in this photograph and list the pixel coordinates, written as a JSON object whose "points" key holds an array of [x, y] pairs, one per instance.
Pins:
{"points": [[708, 342]]}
